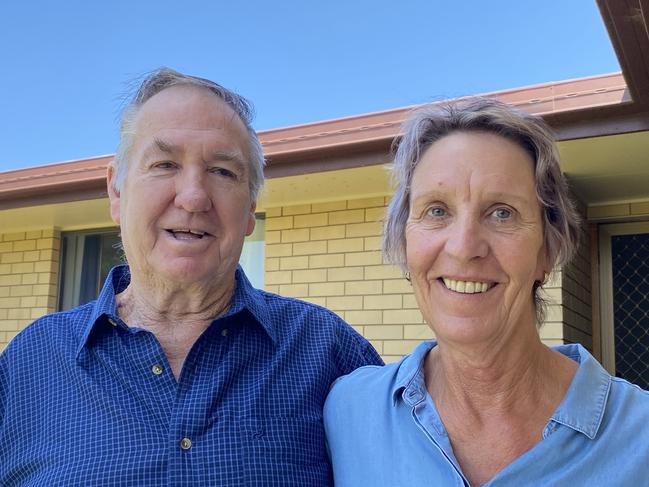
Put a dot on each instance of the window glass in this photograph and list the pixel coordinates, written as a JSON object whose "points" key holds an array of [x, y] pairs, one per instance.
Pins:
{"points": [[252, 255]]}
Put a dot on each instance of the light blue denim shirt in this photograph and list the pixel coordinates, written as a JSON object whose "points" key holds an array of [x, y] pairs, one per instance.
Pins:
{"points": [[383, 430]]}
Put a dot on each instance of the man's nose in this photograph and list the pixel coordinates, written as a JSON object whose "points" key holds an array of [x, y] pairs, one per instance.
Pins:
{"points": [[192, 192], [466, 239]]}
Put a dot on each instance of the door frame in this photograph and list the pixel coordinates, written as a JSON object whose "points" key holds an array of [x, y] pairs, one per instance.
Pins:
{"points": [[606, 285]]}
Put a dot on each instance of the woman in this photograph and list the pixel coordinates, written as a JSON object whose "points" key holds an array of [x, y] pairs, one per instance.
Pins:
{"points": [[480, 217]]}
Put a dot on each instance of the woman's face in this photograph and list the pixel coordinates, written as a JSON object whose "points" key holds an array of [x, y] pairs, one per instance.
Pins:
{"points": [[474, 238]]}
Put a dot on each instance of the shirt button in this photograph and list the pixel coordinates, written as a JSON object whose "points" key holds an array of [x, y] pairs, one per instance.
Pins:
{"points": [[157, 369], [112, 322], [224, 332], [185, 443]]}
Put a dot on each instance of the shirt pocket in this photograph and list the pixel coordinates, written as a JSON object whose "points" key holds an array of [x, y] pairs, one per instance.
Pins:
{"points": [[291, 451]]}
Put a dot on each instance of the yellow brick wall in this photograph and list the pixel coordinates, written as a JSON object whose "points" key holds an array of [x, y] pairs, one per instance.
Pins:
{"points": [[326, 253], [576, 298], [552, 330], [29, 266], [330, 254]]}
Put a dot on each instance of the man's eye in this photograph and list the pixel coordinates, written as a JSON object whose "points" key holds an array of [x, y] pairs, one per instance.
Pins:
{"points": [[502, 213], [221, 171], [436, 212], [164, 165]]}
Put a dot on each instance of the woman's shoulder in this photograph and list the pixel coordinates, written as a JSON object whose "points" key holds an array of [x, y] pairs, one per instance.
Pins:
{"points": [[375, 387], [369, 378], [628, 399]]}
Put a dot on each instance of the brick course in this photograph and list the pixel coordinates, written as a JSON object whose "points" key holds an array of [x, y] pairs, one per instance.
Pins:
{"points": [[29, 268]]}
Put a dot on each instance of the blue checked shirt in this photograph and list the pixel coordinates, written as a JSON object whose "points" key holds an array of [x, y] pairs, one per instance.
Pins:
{"points": [[85, 400]]}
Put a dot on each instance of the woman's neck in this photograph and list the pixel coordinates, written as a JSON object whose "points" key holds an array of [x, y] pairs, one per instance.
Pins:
{"points": [[498, 376]]}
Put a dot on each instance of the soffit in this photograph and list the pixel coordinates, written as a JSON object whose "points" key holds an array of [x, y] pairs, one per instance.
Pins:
{"points": [[601, 170], [608, 170], [69, 216]]}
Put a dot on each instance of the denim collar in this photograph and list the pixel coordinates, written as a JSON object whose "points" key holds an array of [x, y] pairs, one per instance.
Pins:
{"points": [[582, 408]]}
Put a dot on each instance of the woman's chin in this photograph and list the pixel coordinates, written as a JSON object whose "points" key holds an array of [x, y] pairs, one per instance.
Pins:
{"points": [[467, 331]]}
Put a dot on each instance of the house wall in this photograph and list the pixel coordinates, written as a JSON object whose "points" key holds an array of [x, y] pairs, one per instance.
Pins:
{"points": [[623, 211], [330, 254], [29, 267], [576, 298], [327, 253]]}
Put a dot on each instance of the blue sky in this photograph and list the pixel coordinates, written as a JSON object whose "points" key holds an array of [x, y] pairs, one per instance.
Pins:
{"points": [[66, 65]]}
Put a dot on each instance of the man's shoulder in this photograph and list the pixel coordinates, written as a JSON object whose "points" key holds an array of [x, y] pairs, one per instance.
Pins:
{"points": [[283, 306], [365, 383], [51, 331], [318, 328]]}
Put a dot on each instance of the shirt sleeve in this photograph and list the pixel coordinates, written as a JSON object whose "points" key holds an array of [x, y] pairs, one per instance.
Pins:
{"points": [[4, 387]]}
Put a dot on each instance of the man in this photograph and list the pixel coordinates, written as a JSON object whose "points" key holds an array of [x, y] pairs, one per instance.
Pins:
{"points": [[180, 373]]}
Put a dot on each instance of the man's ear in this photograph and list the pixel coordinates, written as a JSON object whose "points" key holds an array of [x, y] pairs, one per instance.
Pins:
{"points": [[113, 193], [251, 219]]}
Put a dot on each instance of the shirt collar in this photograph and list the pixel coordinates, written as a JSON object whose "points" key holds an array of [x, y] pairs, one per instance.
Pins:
{"points": [[104, 308], [253, 300], [409, 384], [582, 409]]}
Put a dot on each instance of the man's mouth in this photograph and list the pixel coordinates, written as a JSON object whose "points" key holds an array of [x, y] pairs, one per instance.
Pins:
{"points": [[467, 287], [187, 233]]}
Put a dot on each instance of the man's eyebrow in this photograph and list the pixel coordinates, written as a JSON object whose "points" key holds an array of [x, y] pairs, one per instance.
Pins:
{"points": [[164, 146], [169, 148], [234, 156], [160, 145]]}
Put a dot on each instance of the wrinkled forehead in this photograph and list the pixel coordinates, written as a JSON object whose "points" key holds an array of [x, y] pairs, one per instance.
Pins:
{"points": [[475, 162]]}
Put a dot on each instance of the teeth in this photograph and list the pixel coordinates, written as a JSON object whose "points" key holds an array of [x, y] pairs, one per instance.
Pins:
{"points": [[465, 287], [187, 230]]}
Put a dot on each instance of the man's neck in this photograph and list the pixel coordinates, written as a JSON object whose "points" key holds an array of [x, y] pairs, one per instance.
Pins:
{"points": [[176, 315]]}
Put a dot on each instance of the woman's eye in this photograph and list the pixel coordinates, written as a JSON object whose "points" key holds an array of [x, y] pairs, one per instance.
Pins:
{"points": [[502, 213], [436, 212]]}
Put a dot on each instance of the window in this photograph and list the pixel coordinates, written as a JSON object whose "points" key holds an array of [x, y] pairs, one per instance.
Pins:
{"points": [[87, 257], [253, 253]]}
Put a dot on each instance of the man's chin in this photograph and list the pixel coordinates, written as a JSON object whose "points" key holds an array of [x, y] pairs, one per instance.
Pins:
{"points": [[184, 271]]}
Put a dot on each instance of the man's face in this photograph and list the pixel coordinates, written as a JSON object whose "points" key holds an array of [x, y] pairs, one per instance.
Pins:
{"points": [[185, 206]]}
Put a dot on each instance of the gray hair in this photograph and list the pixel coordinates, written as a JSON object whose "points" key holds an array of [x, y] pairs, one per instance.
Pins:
{"points": [[164, 78], [426, 125]]}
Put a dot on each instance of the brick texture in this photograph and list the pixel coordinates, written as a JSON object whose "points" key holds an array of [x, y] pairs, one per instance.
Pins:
{"points": [[576, 298], [29, 267], [330, 255]]}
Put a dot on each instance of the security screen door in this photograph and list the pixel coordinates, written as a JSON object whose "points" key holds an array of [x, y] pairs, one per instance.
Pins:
{"points": [[624, 265]]}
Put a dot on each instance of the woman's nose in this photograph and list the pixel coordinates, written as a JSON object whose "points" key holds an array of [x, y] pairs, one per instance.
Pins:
{"points": [[466, 240]]}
